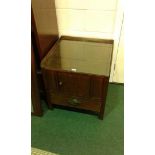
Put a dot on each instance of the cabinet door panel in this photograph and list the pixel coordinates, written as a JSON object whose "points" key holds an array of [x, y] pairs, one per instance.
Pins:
{"points": [[83, 85], [50, 80], [74, 84], [66, 83], [96, 87]]}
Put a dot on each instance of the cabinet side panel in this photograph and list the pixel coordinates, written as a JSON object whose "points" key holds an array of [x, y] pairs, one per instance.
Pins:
{"points": [[96, 87]]}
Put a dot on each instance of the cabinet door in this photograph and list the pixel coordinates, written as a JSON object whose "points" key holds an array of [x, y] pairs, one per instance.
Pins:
{"points": [[98, 85], [74, 84], [50, 80]]}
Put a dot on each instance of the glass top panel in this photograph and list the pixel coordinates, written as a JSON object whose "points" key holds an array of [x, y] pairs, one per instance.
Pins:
{"points": [[80, 56]]}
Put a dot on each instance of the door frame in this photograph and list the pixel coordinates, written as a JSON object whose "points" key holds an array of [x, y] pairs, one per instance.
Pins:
{"points": [[116, 36]]}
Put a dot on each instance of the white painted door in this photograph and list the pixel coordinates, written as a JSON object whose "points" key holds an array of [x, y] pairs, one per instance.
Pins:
{"points": [[118, 75]]}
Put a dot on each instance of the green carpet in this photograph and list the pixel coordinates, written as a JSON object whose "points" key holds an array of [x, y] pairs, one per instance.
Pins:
{"points": [[72, 133]]}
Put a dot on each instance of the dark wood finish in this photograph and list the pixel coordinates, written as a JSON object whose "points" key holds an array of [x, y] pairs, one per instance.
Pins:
{"points": [[44, 33], [35, 95], [85, 88], [44, 23], [103, 97], [35, 40], [86, 104], [36, 51], [71, 53], [88, 90]]}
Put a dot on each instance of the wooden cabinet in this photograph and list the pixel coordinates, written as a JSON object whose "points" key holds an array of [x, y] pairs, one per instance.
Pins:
{"points": [[72, 84], [75, 90], [73, 78]]}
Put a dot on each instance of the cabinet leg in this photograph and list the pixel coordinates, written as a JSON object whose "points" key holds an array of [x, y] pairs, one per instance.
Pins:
{"points": [[49, 103], [100, 116], [102, 108], [50, 106]]}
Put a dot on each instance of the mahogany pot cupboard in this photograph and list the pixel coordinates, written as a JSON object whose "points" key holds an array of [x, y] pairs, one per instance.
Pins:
{"points": [[67, 72], [76, 73]]}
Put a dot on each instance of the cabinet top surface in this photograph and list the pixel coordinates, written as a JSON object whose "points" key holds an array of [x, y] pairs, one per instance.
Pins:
{"points": [[80, 55]]}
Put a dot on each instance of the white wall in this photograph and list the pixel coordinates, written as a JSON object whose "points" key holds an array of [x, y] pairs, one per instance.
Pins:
{"points": [[92, 18], [87, 18]]}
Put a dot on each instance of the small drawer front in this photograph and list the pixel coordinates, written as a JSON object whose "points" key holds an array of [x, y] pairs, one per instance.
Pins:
{"points": [[74, 84], [76, 102]]}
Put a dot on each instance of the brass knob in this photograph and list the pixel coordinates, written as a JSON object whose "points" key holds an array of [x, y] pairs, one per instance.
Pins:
{"points": [[60, 83], [73, 101]]}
